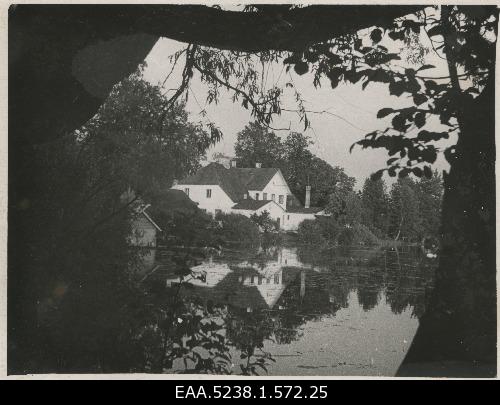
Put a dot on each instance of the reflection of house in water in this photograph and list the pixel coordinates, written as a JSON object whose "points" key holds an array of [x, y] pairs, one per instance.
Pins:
{"points": [[249, 284], [281, 288], [285, 257]]}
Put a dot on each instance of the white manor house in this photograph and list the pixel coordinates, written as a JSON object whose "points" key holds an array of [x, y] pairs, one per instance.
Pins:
{"points": [[246, 191]]}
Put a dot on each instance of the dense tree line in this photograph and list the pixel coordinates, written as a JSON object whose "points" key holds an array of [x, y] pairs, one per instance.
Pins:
{"points": [[409, 211], [257, 144]]}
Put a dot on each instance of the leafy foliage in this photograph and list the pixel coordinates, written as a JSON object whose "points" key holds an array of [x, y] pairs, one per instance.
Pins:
{"points": [[235, 228], [90, 307], [137, 140], [265, 222], [257, 144], [468, 42]]}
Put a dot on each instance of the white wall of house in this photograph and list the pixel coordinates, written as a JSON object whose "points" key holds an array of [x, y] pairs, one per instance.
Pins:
{"points": [[143, 232], [277, 186], [293, 220], [218, 199], [276, 212]]}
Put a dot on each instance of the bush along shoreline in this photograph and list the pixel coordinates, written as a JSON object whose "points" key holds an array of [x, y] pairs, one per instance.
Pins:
{"points": [[326, 232], [224, 231]]}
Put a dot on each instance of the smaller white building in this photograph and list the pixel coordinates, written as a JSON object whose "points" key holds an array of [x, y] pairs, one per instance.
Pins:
{"points": [[144, 230], [250, 207]]}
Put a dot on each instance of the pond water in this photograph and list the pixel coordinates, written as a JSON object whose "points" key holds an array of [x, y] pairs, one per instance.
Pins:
{"points": [[351, 311]]}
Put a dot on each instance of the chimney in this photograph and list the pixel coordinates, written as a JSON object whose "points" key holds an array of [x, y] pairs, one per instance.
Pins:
{"points": [[258, 165], [307, 203], [232, 163]]}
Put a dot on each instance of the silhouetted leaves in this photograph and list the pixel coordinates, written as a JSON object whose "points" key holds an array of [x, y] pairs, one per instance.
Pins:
{"points": [[301, 68], [376, 35], [384, 112], [420, 119], [377, 175], [427, 136], [396, 88], [419, 98], [417, 171]]}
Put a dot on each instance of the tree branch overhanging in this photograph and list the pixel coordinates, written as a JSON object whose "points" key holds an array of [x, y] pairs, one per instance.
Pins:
{"points": [[285, 28]]}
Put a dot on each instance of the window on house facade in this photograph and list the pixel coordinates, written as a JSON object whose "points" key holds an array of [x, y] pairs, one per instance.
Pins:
{"points": [[288, 217], [276, 279], [273, 197], [256, 196], [209, 193], [186, 190], [264, 196], [281, 199], [245, 196]]}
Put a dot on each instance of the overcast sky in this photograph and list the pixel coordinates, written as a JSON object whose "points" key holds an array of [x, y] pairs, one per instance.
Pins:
{"points": [[352, 110]]}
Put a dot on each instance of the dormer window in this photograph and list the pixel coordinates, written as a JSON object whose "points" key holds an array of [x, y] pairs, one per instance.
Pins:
{"points": [[256, 196], [245, 196]]}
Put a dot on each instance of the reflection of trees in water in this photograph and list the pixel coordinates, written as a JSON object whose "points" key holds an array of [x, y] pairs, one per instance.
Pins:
{"points": [[410, 280], [403, 275], [320, 288]]}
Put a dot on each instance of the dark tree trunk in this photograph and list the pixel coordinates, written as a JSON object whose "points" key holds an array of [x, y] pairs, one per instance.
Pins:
{"points": [[457, 335], [46, 100]]}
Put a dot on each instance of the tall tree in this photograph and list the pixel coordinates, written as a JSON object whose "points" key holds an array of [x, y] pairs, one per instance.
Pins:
{"points": [[404, 215], [302, 168], [257, 144], [430, 198], [297, 161], [139, 141], [345, 207], [375, 205], [324, 179]]}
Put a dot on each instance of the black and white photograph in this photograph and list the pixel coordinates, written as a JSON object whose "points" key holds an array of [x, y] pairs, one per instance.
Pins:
{"points": [[302, 190]]}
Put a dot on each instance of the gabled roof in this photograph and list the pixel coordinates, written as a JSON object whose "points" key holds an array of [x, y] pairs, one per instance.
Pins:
{"points": [[251, 204], [150, 220], [235, 181], [254, 178], [216, 174], [171, 200]]}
